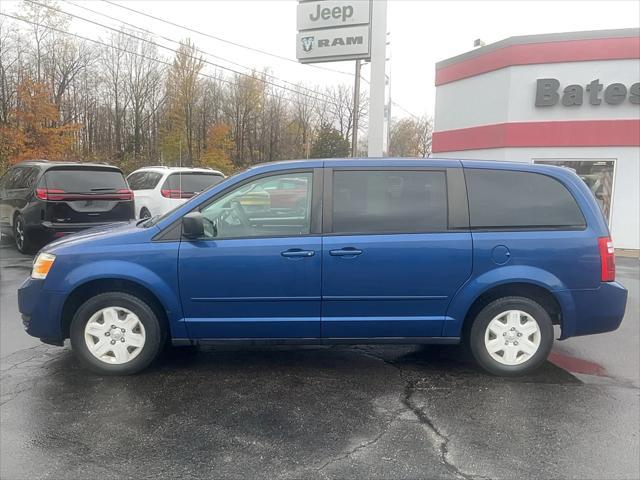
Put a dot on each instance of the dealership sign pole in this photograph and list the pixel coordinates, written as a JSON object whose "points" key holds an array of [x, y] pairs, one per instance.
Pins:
{"points": [[339, 30]]}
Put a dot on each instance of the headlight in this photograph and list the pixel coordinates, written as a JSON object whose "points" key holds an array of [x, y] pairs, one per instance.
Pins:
{"points": [[42, 265]]}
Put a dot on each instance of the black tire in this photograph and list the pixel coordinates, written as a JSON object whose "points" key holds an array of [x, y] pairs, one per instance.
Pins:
{"points": [[155, 333], [476, 336], [145, 213], [22, 241]]}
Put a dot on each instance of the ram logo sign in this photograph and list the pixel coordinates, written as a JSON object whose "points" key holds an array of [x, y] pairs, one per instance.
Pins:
{"points": [[307, 43], [333, 30], [331, 44]]}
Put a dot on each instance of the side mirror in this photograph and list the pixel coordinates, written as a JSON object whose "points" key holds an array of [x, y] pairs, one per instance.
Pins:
{"points": [[193, 225]]}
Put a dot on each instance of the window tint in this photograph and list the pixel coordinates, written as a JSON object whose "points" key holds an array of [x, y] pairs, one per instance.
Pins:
{"points": [[31, 177], [84, 180], [21, 177], [143, 180], [9, 178], [191, 182], [252, 210], [389, 201], [504, 199]]}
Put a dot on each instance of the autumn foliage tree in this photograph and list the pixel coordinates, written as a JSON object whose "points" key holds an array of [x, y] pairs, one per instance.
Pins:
{"points": [[36, 132], [217, 154]]}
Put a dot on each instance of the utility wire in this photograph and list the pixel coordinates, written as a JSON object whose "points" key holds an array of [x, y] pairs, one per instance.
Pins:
{"points": [[253, 49], [176, 51], [129, 52], [297, 86]]}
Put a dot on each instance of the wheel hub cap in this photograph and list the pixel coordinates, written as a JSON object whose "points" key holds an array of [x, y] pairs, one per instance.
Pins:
{"points": [[512, 337], [114, 335]]}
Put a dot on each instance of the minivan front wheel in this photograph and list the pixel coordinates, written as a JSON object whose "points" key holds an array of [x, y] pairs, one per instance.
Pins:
{"points": [[511, 336], [116, 333]]}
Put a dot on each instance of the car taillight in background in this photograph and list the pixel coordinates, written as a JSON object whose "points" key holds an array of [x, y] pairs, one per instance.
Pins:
{"points": [[171, 193], [49, 194], [607, 259], [52, 194], [124, 194]]}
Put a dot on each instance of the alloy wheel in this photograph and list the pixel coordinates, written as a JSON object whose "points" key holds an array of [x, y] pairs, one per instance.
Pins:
{"points": [[19, 233]]}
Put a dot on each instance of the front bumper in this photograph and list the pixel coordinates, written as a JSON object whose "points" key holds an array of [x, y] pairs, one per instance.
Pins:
{"points": [[41, 310], [585, 312]]}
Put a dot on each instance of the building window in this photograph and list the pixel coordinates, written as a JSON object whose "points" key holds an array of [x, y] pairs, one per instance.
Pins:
{"points": [[597, 174]]}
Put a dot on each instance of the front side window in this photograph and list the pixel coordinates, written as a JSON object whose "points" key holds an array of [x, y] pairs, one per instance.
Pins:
{"points": [[389, 201], [505, 199], [262, 208]]}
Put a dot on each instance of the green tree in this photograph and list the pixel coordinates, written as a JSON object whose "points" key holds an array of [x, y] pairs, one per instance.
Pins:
{"points": [[329, 144]]}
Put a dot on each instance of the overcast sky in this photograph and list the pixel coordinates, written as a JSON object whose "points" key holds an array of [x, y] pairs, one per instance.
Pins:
{"points": [[422, 33]]}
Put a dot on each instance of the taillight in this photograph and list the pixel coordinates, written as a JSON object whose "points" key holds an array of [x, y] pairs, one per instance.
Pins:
{"points": [[607, 259], [49, 194], [124, 194], [53, 194], [175, 193]]}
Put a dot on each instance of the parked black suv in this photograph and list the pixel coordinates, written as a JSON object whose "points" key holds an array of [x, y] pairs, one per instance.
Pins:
{"points": [[41, 200]]}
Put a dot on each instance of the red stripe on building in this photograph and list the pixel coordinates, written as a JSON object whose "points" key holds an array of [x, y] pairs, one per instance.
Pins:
{"points": [[533, 53], [579, 133]]}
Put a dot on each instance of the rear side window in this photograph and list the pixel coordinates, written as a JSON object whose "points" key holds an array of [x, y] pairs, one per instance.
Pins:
{"points": [[191, 182], [144, 180], [22, 177], [84, 180], [500, 199], [388, 201]]}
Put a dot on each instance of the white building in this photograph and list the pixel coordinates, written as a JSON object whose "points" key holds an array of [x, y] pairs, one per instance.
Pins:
{"points": [[569, 99]]}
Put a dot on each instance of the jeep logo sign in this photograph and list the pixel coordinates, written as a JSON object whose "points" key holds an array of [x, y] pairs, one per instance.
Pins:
{"points": [[332, 13], [333, 30], [549, 93]]}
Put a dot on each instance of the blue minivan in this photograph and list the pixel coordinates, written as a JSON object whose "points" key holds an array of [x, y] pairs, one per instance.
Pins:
{"points": [[491, 254]]}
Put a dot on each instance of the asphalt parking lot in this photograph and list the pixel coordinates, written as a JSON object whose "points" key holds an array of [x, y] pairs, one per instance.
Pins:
{"points": [[320, 412]]}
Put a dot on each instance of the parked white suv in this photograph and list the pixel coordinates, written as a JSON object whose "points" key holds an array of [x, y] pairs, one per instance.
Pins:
{"points": [[159, 189]]}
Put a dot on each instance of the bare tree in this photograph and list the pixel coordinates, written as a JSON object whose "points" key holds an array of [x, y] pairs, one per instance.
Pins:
{"points": [[143, 79], [113, 63]]}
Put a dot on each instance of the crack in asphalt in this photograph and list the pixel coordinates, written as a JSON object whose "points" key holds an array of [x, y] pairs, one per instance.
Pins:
{"points": [[423, 419], [30, 380], [361, 446]]}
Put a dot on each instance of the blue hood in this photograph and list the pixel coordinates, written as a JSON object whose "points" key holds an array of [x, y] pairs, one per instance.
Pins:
{"points": [[121, 233]]}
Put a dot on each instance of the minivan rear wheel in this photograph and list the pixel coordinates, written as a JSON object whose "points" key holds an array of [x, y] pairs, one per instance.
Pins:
{"points": [[116, 333], [22, 240], [511, 336]]}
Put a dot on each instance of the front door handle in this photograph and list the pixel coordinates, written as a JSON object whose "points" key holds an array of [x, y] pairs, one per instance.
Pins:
{"points": [[345, 252], [297, 253]]}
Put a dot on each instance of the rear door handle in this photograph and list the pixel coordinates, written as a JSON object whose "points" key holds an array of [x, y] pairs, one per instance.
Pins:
{"points": [[345, 252], [297, 253]]}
